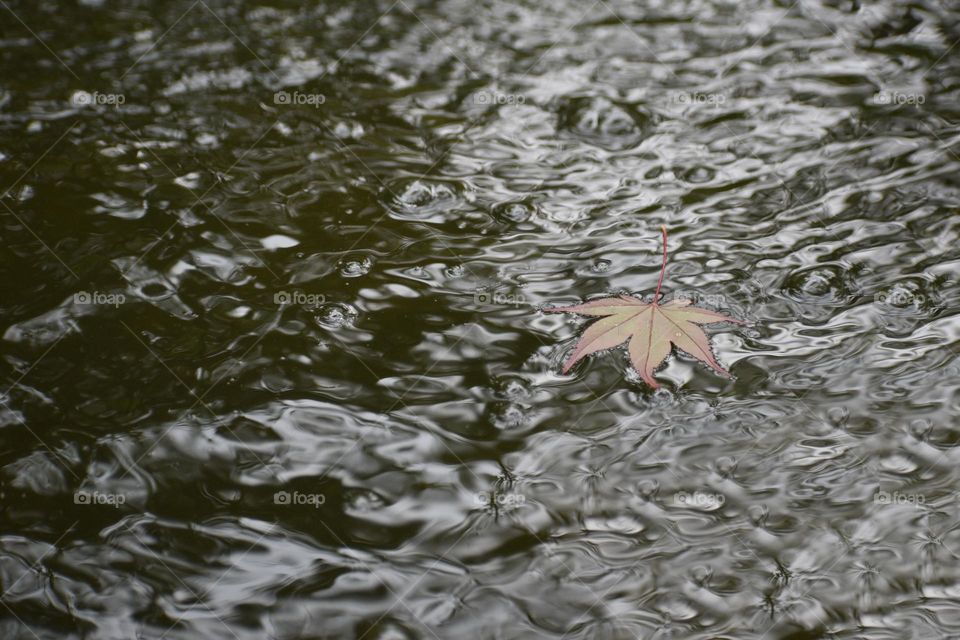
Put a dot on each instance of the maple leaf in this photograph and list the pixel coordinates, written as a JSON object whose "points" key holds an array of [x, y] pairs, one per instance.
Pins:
{"points": [[650, 328]]}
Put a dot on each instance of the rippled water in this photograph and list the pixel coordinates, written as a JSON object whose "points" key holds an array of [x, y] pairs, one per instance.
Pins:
{"points": [[274, 359]]}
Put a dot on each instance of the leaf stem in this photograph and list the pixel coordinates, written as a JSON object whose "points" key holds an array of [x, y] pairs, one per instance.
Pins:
{"points": [[663, 267]]}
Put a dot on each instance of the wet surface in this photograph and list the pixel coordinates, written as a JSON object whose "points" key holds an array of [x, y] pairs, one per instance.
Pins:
{"points": [[274, 360]]}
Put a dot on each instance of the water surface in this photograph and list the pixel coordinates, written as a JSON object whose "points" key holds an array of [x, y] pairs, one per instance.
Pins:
{"points": [[274, 360]]}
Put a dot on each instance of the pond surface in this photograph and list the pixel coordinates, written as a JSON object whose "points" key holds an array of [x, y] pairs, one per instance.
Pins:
{"points": [[275, 363]]}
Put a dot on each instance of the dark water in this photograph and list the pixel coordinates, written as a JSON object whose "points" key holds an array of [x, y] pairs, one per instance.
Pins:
{"points": [[274, 364]]}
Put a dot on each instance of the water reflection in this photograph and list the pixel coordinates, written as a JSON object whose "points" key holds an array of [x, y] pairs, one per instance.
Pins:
{"points": [[274, 360]]}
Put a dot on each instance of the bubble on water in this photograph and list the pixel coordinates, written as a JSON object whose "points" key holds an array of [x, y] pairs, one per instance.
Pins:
{"points": [[648, 489], [511, 387], [838, 416], [513, 212], [725, 466], [817, 283], [823, 285], [920, 428], [506, 415], [422, 200], [701, 575], [363, 500], [758, 514], [421, 194], [696, 175], [600, 266], [603, 122], [354, 267], [276, 382], [456, 271], [336, 315]]}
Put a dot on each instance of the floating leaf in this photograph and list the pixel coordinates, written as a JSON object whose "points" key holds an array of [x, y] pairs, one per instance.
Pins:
{"points": [[649, 328]]}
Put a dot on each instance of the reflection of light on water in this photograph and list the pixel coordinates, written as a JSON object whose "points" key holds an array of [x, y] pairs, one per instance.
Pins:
{"points": [[264, 250]]}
